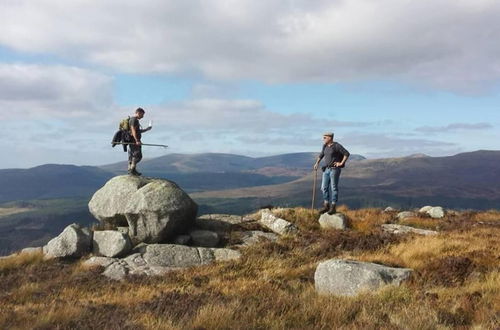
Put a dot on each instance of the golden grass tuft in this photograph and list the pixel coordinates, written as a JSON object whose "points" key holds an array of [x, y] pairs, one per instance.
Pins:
{"points": [[19, 260]]}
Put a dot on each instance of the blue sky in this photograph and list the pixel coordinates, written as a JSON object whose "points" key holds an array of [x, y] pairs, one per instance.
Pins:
{"points": [[390, 78]]}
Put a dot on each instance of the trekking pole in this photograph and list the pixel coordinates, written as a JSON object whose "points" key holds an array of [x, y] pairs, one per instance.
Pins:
{"points": [[314, 189], [144, 144]]}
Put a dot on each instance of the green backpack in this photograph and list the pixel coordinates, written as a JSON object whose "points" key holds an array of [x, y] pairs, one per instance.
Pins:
{"points": [[124, 124]]}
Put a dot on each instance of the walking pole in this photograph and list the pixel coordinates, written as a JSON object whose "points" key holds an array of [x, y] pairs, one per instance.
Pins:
{"points": [[314, 190], [144, 144]]}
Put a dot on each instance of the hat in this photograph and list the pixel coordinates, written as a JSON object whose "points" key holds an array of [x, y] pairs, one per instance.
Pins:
{"points": [[330, 134]]}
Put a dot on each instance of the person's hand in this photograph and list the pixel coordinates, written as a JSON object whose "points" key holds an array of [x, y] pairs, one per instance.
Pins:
{"points": [[315, 166], [138, 143], [337, 164]]}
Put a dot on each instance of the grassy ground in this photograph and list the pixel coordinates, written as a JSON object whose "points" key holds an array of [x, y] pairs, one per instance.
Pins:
{"points": [[456, 283]]}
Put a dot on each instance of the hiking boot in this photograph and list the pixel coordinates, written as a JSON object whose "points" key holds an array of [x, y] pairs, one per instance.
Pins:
{"points": [[134, 172], [332, 209], [325, 208]]}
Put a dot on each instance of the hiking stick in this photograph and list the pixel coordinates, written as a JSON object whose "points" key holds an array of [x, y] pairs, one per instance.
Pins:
{"points": [[144, 144], [314, 189]]}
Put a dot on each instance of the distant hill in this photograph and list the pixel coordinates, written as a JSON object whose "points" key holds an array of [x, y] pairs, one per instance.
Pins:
{"points": [[50, 181], [467, 180], [221, 163]]}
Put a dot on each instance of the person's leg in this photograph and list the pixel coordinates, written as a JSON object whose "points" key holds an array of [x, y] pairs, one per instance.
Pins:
{"points": [[334, 182], [325, 189], [136, 157]]}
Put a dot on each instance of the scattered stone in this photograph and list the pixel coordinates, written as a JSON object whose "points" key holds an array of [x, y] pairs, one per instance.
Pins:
{"points": [[99, 261], [116, 271], [182, 239], [255, 236], [405, 214], [436, 212], [400, 229], [333, 221], [277, 225], [225, 254], [111, 243], [348, 278], [154, 209], [425, 209], [390, 209], [32, 250], [74, 241], [171, 255], [205, 238], [220, 222]]}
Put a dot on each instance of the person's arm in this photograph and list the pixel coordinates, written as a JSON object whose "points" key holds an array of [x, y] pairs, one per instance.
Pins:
{"points": [[320, 156], [345, 155], [134, 132]]}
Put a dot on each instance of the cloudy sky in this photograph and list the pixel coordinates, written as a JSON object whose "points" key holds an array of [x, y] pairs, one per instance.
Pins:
{"points": [[389, 77]]}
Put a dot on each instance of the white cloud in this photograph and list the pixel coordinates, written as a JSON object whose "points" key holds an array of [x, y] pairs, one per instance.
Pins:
{"points": [[454, 127], [444, 44], [37, 91]]}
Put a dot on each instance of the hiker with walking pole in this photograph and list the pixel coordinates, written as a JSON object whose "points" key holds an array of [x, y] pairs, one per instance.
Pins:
{"points": [[335, 157]]}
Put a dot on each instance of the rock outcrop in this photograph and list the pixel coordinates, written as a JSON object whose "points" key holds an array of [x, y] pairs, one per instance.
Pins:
{"points": [[74, 241], [155, 210], [333, 221], [348, 278], [157, 259]]}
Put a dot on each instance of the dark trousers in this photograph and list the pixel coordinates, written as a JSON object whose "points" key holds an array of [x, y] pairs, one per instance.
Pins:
{"points": [[134, 154]]}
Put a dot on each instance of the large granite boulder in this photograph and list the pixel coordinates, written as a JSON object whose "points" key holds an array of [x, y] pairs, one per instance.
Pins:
{"points": [[110, 243], [74, 241], [155, 210], [348, 278]]}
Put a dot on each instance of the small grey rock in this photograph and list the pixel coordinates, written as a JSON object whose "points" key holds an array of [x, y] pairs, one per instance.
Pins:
{"points": [[405, 214], [425, 209], [99, 261], [111, 243], [348, 278], [436, 212], [255, 236], [116, 271], [389, 209], [277, 225], [204, 238], [333, 221], [226, 254], [400, 229]]}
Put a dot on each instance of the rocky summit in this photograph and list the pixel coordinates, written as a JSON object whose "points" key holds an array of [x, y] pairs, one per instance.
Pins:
{"points": [[155, 210]]}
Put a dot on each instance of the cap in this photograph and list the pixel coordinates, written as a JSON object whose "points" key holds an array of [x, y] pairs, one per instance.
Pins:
{"points": [[330, 134]]}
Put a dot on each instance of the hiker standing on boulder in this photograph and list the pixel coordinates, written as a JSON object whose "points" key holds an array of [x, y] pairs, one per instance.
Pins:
{"points": [[135, 150], [335, 157]]}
